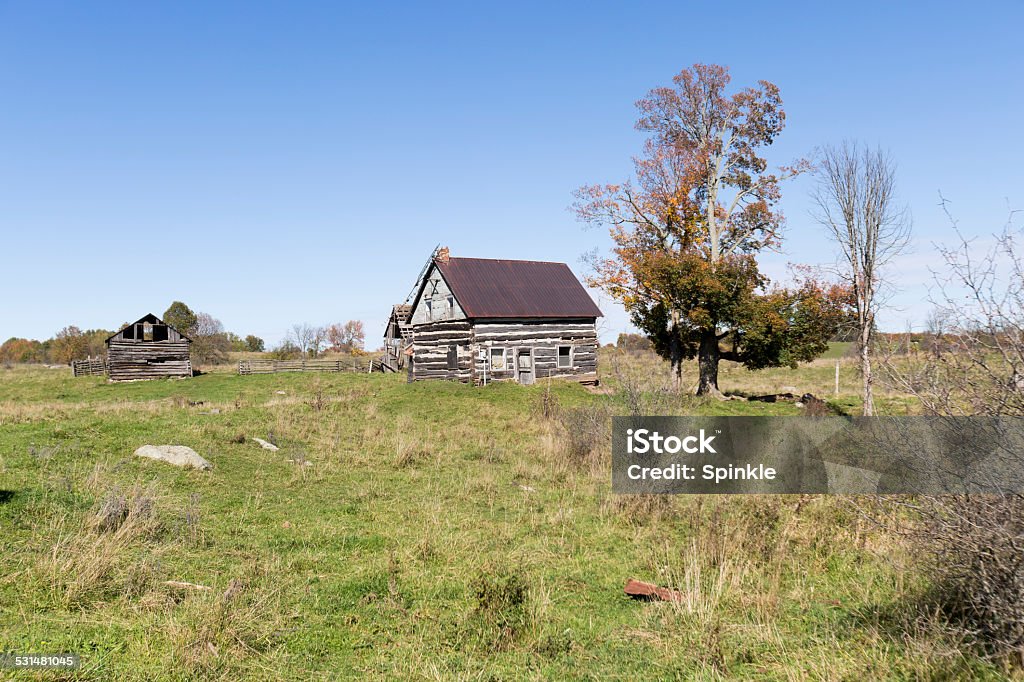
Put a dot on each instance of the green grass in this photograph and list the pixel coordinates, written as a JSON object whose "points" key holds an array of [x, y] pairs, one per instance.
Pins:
{"points": [[437, 531], [836, 350]]}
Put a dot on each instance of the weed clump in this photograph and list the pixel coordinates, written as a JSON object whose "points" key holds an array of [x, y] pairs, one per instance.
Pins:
{"points": [[547, 403], [190, 528], [501, 606], [214, 631], [135, 508], [586, 432], [96, 559]]}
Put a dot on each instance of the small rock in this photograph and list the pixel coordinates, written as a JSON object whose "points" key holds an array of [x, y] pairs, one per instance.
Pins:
{"points": [[527, 489], [178, 455], [266, 445], [281, 392], [286, 524], [789, 389]]}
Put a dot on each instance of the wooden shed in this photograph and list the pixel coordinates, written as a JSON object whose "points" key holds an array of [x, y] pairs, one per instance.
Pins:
{"points": [[480, 320], [397, 336], [148, 348]]}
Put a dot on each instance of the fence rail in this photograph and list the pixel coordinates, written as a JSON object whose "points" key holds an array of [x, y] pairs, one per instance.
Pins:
{"points": [[275, 366], [88, 367]]}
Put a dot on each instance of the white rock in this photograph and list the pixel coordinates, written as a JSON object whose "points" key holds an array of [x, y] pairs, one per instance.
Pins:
{"points": [[178, 455], [266, 445]]}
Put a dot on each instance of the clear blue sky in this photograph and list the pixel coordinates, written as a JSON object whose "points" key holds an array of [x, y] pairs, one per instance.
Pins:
{"points": [[282, 162]]}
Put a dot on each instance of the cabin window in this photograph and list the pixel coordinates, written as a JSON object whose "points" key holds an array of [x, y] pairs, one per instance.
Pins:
{"points": [[430, 309], [453, 357], [565, 356], [497, 359], [450, 302], [147, 332]]}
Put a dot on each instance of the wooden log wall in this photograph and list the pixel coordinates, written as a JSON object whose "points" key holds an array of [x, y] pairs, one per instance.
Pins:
{"points": [[431, 344], [543, 338], [129, 360]]}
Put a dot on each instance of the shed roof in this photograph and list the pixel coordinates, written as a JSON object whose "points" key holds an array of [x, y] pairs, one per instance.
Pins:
{"points": [[494, 288]]}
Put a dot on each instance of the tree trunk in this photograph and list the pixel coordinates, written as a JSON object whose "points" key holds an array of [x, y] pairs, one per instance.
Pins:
{"points": [[676, 355], [865, 370], [707, 361]]}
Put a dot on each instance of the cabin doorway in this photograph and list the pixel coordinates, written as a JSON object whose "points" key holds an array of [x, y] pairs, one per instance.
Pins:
{"points": [[524, 366]]}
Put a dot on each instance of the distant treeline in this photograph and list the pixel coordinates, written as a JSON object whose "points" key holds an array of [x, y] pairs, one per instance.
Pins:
{"points": [[211, 343]]}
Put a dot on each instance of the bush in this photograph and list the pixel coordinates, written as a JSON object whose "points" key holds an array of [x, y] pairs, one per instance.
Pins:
{"points": [[973, 548], [286, 350], [587, 430]]}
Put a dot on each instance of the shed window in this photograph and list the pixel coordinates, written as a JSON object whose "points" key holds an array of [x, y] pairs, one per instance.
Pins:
{"points": [[565, 356], [497, 359], [453, 357]]}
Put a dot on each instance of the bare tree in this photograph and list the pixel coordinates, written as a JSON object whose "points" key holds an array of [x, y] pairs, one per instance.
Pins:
{"points": [[302, 335], [857, 204], [317, 341], [976, 361], [972, 546], [210, 343]]}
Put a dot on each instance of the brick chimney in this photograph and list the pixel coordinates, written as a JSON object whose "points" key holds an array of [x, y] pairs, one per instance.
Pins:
{"points": [[443, 254]]}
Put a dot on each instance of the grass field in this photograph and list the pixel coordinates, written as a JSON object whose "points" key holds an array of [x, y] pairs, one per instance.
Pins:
{"points": [[433, 531]]}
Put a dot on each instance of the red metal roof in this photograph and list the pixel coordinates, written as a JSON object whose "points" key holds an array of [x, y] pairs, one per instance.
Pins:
{"points": [[487, 287]]}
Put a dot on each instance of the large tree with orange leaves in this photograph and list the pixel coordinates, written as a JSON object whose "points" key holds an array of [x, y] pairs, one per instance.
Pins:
{"points": [[687, 228]]}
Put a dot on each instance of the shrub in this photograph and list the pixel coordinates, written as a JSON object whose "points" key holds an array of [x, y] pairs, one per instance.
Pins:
{"points": [[286, 350], [972, 546], [586, 430]]}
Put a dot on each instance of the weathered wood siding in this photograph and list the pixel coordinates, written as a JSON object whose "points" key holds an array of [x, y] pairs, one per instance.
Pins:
{"points": [[161, 333], [544, 338], [128, 360], [431, 346], [88, 367], [437, 293], [473, 339]]}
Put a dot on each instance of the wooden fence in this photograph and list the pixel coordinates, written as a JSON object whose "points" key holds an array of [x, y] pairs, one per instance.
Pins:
{"points": [[312, 365], [88, 367]]}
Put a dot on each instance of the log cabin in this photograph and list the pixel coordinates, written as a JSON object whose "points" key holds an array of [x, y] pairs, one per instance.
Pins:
{"points": [[478, 320], [148, 348]]}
